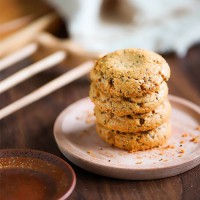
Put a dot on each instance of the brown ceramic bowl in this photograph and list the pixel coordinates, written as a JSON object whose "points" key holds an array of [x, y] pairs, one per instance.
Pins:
{"points": [[32, 174]]}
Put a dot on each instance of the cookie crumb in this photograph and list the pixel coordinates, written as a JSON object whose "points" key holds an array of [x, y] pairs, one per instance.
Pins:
{"points": [[182, 151], [89, 151], [138, 162], [182, 142], [161, 153], [180, 155], [170, 146], [197, 128], [184, 135], [195, 139]]}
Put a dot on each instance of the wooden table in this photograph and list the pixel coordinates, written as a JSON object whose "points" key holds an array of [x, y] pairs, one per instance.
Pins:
{"points": [[32, 127]]}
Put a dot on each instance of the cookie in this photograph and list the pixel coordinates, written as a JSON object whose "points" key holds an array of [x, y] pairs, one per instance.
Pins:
{"points": [[135, 122], [130, 72], [135, 141], [125, 105]]}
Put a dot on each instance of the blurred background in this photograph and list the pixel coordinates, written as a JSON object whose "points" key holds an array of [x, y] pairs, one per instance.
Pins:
{"points": [[100, 26], [107, 25], [84, 28]]}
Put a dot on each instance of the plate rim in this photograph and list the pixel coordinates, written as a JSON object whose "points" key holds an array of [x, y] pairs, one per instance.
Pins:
{"points": [[11, 151], [194, 157]]}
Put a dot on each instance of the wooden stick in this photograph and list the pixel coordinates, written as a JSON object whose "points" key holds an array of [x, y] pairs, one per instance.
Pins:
{"points": [[26, 35], [18, 55], [46, 63], [48, 88], [15, 24]]}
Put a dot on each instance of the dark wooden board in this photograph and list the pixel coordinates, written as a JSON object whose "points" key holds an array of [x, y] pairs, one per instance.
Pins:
{"points": [[32, 127]]}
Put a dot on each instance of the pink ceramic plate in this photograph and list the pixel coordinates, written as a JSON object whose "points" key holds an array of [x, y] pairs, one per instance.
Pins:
{"points": [[34, 175], [77, 139]]}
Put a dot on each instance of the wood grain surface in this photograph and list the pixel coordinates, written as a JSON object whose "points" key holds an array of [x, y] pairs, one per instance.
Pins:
{"points": [[32, 127]]}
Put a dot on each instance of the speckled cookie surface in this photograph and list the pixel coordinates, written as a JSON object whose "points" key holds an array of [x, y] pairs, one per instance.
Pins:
{"points": [[136, 122], [135, 141], [120, 106], [130, 72]]}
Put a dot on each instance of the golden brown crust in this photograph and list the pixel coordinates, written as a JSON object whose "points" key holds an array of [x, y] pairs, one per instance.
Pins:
{"points": [[120, 106], [130, 72], [129, 91], [135, 122], [135, 141]]}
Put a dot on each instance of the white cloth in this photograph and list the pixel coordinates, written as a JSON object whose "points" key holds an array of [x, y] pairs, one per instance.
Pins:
{"points": [[157, 25]]}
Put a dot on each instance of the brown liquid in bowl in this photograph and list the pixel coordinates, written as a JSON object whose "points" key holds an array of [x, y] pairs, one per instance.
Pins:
{"points": [[26, 184], [34, 175]]}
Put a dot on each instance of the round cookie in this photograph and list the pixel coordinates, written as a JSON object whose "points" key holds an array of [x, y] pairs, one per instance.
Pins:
{"points": [[125, 105], [130, 72], [135, 141], [136, 122]]}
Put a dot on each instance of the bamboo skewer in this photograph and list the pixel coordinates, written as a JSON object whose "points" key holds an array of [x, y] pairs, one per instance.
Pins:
{"points": [[48, 88], [7, 28], [18, 55], [15, 24], [63, 48], [31, 70], [26, 35]]}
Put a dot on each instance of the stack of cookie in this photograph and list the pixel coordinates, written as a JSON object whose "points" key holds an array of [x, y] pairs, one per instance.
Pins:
{"points": [[129, 91]]}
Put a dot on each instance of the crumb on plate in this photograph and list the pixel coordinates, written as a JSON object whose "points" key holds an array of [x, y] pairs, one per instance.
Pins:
{"points": [[89, 152], [184, 134], [170, 146], [195, 139], [197, 128], [182, 151]]}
